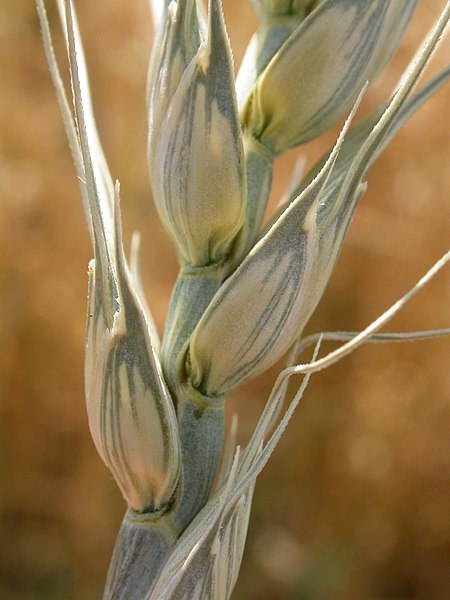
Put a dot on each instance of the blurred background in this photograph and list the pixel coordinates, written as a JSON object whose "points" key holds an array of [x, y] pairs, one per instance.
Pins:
{"points": [[353, 504]]}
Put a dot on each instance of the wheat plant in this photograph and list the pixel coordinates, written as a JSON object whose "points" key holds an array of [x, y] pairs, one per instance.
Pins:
{"points": [[245, 289]]}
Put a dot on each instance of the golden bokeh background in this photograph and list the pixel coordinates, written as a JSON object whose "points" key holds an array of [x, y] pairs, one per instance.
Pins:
{"points": [[353, 503]]}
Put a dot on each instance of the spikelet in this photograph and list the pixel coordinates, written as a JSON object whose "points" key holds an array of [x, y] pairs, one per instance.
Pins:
{"points": [[244, 293]]}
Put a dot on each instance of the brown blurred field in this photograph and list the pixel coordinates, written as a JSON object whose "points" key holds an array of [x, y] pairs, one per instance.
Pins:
{"points": [[353, 504]]}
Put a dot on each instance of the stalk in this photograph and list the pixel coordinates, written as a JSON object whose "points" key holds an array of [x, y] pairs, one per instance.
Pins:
{"points": [[143, 544]]}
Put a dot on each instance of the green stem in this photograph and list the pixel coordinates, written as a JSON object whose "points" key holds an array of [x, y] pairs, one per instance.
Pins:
{"points": [[201, 429], [259, 163], [200, 419], [143, 543], [191, 295]]}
